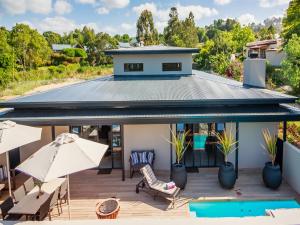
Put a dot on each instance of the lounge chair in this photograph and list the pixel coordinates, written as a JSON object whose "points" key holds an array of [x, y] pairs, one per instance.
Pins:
{"points": [[155, 186], [140, 158]]}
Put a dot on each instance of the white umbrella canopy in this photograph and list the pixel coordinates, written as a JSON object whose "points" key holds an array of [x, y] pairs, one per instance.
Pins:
{"points": [[66, 155], [14, 135]]}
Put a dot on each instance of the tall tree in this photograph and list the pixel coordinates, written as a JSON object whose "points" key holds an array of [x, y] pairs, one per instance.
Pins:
{"points": [[189, 34], [291, 22], [52, 37], [31, 48], [173, 29], [241, 36], [146, 31]]}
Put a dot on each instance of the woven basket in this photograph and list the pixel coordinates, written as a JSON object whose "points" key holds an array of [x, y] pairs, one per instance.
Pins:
{"points": [[108, 209]]}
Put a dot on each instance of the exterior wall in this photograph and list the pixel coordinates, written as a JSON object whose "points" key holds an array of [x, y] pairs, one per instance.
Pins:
{"points": [[152, 136], [291, 165], [153, 63], [275, 57], [251, 151], [255, 72]]}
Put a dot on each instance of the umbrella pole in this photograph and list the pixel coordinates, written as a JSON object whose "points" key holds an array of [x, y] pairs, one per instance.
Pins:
{"points": [[8, 173], [69, 196]]}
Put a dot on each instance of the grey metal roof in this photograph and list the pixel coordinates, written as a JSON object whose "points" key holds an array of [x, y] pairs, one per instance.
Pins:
{"points": [[60, 47], [198, 89], [262, 113], [153, 49]]}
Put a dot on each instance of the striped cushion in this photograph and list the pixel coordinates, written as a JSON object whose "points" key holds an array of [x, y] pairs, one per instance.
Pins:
{"points": [[143, 157], [134, 158], [150, 158], [149, 175]]}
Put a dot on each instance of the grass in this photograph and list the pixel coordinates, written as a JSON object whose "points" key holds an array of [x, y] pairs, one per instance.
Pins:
{"points": [[26, 81]]}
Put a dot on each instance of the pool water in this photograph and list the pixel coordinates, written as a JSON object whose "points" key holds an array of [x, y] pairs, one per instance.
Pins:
{"points": [[239, 208]]}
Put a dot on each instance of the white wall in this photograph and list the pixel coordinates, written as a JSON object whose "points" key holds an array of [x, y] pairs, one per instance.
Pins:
{"points": [[153, 63], [275, 57], [255, 72], [152, 136], [251, 151], [291, 165]]}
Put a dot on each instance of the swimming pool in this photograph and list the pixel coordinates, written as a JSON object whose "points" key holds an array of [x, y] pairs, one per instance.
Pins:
{"points": [[239, 208]]}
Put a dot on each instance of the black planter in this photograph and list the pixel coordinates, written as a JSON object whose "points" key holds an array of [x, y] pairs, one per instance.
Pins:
{"points": [[272, 176], [227, 175], [179, 175]]}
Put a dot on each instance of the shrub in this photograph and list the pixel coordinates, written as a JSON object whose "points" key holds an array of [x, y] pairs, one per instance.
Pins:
{"points": [[235, 70], [79, 52], [219, 63], [70, 52], [5, 77]]}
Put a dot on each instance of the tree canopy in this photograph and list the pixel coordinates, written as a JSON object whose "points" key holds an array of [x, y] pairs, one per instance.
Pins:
{"points": [[146, 31], [291, 21]]}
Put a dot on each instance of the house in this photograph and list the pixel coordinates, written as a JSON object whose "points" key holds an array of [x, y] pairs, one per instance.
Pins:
{"points": [[152, 92], [271, 50], [60, 47]]}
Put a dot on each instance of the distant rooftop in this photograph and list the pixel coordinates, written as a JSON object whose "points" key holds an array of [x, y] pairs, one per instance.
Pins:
{"points": [[153, 49], [60, 47], [263, 42]]}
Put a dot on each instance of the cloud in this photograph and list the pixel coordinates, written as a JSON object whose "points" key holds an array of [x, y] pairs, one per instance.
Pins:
{"points": [[62, 7], [86, 1], [161, 15], [272, 3], [222, 2], [127, 26], [246, 19], [115, 3], [22, 6], [102, 10], [57, 24]]}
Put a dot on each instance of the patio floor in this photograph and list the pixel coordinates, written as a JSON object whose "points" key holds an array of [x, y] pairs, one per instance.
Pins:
{"points": [[88, 188]]}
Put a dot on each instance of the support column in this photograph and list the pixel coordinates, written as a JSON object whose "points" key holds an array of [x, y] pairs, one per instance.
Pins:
{"points": [[237, 149], [123, 157], [53, 132], [284, 131], [171, 151]]}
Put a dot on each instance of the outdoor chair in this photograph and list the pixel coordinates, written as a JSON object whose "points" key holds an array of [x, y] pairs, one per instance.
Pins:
{"points": [[19, 193], [156, 187], [140, 158], [54, 202], [63, 191], [44, 210], [5, 207], [29, 185]]}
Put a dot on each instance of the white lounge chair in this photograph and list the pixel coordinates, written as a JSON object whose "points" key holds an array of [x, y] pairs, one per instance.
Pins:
{"points": [[155, 186]]}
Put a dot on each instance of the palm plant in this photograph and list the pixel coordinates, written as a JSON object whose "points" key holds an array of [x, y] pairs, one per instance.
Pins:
{"points": [[226, 143], [179, 141], [270, 144]]}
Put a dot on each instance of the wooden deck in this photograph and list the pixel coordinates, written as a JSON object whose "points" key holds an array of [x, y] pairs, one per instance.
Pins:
{"points": [[88, 188]]}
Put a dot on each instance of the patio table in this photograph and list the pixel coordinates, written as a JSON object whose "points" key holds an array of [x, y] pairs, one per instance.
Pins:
{"points": [[30, 204]]}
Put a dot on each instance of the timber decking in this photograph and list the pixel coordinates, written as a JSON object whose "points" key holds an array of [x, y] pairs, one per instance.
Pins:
{"points": [[88, 188]]}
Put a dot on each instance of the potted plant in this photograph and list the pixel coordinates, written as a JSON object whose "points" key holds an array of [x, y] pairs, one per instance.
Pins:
{"points": [[226, 145], [271, 173], [179, 174]]}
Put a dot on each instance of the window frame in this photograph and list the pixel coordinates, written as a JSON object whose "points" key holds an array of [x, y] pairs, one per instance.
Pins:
{"points": [[137, 69], [171, 69]]}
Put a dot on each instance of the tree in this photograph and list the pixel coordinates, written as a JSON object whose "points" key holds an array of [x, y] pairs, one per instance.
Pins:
{"points": [[241, 36], [173, 29], [291, 22], [291, 65], [202, 37], [266, 33], [146, 31], [31, 49], [189, 34], [52, 37]]}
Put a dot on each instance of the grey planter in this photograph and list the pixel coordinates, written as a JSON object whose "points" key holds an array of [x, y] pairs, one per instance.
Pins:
{"points": [[179, 175], [272, 176], [227, 175]]}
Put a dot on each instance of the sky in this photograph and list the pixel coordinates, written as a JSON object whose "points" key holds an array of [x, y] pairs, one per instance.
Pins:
{"points": [[120, 16]]}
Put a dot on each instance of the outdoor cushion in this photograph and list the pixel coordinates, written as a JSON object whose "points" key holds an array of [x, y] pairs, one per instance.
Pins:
{"points": [[143, 157], [134, 158], [149, 175], [161, 187], [150, 157]]}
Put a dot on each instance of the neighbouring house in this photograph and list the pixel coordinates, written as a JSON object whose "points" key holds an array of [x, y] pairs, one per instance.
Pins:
{"points": [[152, 92], [60, 47], [271, 50]]}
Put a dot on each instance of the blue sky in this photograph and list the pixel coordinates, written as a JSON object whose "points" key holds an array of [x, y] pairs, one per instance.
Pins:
{"points": [[119, 16]]}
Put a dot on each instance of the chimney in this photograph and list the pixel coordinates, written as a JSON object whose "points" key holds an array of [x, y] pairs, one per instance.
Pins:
{"points": [[255, 72]]}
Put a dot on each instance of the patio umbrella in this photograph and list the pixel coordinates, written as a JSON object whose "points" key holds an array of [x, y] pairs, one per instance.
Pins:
{"points": [[67, 154], [14, 135]]}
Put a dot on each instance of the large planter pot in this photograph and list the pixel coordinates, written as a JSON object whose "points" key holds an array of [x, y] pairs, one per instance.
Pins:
{"points": [[179, 175], [272, 175], [227, 175]]}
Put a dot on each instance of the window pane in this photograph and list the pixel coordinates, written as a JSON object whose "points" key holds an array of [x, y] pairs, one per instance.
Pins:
{"points": [[133, 67], [171, 67]]}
